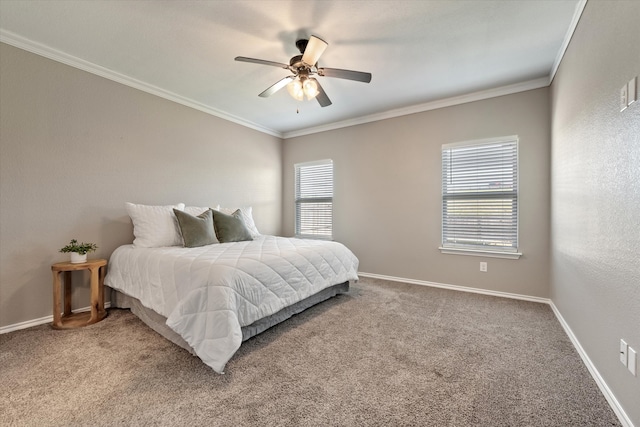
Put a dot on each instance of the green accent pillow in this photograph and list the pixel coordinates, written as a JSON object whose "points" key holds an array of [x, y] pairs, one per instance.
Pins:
{"points": [[230, 228], [196, 230]]}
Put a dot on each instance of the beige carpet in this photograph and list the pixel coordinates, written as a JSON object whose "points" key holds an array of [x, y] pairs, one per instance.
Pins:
{"points": [[384, 354]]}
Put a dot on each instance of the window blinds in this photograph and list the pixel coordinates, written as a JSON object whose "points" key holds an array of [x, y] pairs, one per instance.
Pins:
{"points": [[314, 199], [480, 195]]}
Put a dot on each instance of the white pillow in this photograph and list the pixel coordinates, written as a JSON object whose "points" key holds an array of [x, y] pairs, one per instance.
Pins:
{"points": [[247, 216], [195, 210], [155, 226]]}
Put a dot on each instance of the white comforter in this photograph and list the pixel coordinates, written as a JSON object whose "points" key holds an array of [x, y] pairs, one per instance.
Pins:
{"points": [[209, 293]]}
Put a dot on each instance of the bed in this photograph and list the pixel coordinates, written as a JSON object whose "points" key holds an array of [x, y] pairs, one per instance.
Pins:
{"points": [[209, 299]]}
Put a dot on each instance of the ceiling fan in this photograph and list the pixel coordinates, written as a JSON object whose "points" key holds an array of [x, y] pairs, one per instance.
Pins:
{"points": [[304, 67]]}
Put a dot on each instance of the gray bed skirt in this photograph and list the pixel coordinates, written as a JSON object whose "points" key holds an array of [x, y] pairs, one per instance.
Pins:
{"points": [[157, 322]]}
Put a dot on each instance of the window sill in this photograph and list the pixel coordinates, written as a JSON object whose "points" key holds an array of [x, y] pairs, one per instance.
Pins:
{"points": [[479, 252]]}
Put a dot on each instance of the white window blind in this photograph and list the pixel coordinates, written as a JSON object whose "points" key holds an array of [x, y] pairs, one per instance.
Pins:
{"points": [[480, 195], [314, 199]]}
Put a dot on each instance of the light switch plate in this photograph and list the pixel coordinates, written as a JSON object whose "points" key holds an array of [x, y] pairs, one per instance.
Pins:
{"points": [[632, 94], [631, 361], [624, 97]]}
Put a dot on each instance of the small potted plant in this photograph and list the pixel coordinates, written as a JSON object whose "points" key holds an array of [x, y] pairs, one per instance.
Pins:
{"points": [[79, 251]]}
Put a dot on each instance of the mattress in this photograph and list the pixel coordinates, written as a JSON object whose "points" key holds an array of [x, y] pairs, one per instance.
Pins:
{"points": [[209, 294]]}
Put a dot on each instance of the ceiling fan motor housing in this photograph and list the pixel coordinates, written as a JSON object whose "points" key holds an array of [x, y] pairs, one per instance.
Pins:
{"points": [[302, 44], [296, 62]]}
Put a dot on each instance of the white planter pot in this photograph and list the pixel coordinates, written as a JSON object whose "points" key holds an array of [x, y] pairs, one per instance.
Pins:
{"points": [[76, 258]]}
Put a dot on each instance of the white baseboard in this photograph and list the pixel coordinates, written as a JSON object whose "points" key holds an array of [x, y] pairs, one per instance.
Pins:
{"points": [[457, 288], [604, 388], [602, 385], [40, 321]]}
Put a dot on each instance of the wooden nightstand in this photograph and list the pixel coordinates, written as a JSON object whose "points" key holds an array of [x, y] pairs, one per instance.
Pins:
{"points": [[69, 320]]}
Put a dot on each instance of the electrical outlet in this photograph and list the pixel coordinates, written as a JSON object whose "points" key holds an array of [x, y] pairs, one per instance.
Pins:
{"points": [[483, 267], [631, 361], [623, 352], [623, 97], [631, 91]]}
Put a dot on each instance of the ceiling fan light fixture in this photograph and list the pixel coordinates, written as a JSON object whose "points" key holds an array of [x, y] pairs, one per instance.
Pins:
{"points": [[295, 89], [310, 88], [299, 87]]}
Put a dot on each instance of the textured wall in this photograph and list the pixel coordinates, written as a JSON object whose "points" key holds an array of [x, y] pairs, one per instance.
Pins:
{"points": [[74, 147], [596, 192], [387, 201]]}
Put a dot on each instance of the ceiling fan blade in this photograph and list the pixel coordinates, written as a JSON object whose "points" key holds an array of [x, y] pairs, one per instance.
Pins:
{"points": [[262, 61], [276, 87], [358, 76], [314, 49], [322, 97]]}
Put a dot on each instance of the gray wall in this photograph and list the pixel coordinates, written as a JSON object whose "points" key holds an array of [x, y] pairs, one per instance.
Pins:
{"points": [[387, 199], [595, 274], [74, 147]]}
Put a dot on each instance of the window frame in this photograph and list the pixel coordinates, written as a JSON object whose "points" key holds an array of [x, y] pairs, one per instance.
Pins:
{"points": [[482, 250], [300, 201]]}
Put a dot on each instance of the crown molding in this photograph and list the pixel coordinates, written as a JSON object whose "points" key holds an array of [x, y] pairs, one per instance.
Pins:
{"points": [[56, 55], [567, 38], [20, 42], [433, 105]]}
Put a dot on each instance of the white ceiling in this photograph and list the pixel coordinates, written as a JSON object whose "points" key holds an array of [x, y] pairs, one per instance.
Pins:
{"points": [[421, 53]]}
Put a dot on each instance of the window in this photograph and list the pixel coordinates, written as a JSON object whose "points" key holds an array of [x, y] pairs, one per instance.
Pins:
{"points": [[314, 199], [480, 197]]}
